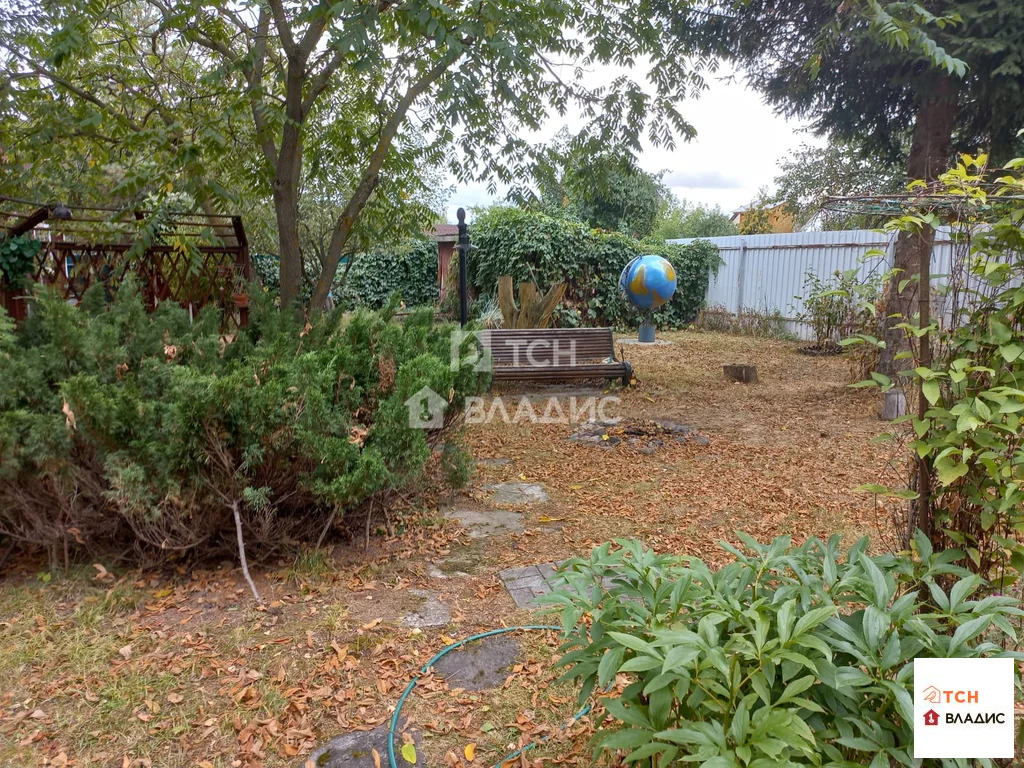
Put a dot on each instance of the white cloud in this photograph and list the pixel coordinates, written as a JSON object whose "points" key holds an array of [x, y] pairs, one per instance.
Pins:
{"points": [[696, 179], [738, 146]]}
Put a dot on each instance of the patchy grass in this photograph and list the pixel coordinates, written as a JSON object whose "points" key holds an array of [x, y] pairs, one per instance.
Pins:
{"points": [[180, 668]]}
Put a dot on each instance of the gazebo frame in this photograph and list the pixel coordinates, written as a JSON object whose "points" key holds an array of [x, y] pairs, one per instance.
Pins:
{"points": [[194, 259]]}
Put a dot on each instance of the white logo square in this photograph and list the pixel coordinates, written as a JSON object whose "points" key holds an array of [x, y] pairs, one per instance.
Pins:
{"points": [[963, 708]]}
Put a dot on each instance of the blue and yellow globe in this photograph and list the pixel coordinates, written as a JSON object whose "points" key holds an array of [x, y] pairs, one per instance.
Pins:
{"points": [[648, 281]]}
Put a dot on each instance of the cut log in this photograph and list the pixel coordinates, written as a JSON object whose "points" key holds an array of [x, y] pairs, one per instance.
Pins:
{"points": [[745, 374]]}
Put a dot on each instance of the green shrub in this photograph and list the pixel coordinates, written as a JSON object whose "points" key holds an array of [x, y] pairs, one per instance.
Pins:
{"points": [[786, 656], [533, 246], [410, 272], [836, 307], [127, 430]]}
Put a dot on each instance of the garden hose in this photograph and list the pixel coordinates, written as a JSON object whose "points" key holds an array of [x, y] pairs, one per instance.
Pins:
{"points": [[392, 763]]}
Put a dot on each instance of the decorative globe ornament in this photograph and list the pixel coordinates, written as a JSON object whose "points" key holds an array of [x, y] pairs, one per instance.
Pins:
{"points": [[647, 283]]}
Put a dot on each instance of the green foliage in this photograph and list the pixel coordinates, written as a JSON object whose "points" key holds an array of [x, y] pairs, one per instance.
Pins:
{"points": [[678, 219], [123, 429], [968, 432], [757, 219], [409, 271], [543, 249], [812, 174], [238, 102], [785, 656], [839, 306], [600, 185], [18, 258], [814, 59]]}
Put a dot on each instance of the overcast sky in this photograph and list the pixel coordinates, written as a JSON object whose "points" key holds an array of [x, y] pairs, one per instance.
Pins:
{"points": [[736, 151]]}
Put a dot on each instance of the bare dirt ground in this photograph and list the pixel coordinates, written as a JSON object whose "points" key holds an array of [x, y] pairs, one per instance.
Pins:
{"points": [[181, 668]]}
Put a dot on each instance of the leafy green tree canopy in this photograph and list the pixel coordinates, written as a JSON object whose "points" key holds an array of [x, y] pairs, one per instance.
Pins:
{"points": [[264, 93], [811, 174], [678, 218], [584, 178]]}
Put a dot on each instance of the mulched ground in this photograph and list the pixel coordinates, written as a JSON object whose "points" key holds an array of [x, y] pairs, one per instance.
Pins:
{"points": [[181, 669]]}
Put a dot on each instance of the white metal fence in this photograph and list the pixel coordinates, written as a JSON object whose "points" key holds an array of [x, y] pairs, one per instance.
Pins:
{"points": [[765, 273]]}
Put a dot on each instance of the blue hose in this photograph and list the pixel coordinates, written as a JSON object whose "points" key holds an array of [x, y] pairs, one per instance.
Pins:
{"points": [[444, 651]]}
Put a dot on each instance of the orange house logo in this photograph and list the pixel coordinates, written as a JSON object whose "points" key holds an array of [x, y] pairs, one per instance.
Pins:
{"points": [[934, 695], [931, 717]]}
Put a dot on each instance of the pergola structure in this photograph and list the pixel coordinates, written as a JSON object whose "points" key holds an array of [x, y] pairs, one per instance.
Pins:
{"points": [[193, 259]]}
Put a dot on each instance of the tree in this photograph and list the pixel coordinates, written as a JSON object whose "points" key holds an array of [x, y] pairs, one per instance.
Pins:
{"points": [[261, 81], [601, 185], [948, 73], [680, 219], [812, 174]]}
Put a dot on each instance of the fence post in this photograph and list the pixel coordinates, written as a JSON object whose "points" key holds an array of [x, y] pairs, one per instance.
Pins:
{"points": [[741, 278], [463, 249]]}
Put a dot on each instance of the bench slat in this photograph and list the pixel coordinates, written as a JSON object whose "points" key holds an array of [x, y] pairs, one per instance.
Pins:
{"points": [[549, 354]]}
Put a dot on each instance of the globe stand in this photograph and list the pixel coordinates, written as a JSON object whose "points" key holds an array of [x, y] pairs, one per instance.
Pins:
{"points": [[647, 282]]}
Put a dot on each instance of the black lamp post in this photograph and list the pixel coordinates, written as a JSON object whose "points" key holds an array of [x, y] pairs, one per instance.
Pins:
{"points": [[464, 247]]}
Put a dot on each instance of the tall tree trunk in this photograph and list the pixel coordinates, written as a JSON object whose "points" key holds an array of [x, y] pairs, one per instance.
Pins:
{"points": [[929, 157], [286, 209]]}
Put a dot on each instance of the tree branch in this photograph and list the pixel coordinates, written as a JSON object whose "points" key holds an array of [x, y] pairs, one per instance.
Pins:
{"points": [[371, 176]]}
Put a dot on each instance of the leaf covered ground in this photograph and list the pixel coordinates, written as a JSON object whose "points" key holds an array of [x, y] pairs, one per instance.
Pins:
{"points": [[105, 667]]}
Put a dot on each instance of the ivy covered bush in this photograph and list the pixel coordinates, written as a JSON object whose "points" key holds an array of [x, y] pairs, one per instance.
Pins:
{"points": [[785, 656], [532, 246], [135, 433], [409, 271]]}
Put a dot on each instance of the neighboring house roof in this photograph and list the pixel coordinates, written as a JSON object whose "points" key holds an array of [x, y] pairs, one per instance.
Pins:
{"points": [[444, 233]]}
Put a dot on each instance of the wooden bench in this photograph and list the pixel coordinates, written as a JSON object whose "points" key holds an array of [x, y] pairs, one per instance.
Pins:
{"points": [[554, 354]]}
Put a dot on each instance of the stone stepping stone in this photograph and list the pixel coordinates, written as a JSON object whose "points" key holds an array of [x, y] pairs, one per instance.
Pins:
{"points": [[498, 462], [433, 613], [355, 750], [483, 664], [531, 581], [515, 494], [488, 522], [526, 583]]}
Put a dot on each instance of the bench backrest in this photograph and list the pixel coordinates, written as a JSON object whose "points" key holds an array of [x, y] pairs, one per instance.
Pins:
{"points": [[548, 346]]}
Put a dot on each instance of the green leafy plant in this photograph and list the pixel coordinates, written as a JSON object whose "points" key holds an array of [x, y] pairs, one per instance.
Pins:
{"points": [[785, 656], [18, 258], [839, 306], [534, 247], [409, 271], [966, 438]]}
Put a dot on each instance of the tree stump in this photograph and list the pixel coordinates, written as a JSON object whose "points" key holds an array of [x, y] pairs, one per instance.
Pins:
{"points": [[745, 374], [894, 404]]}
